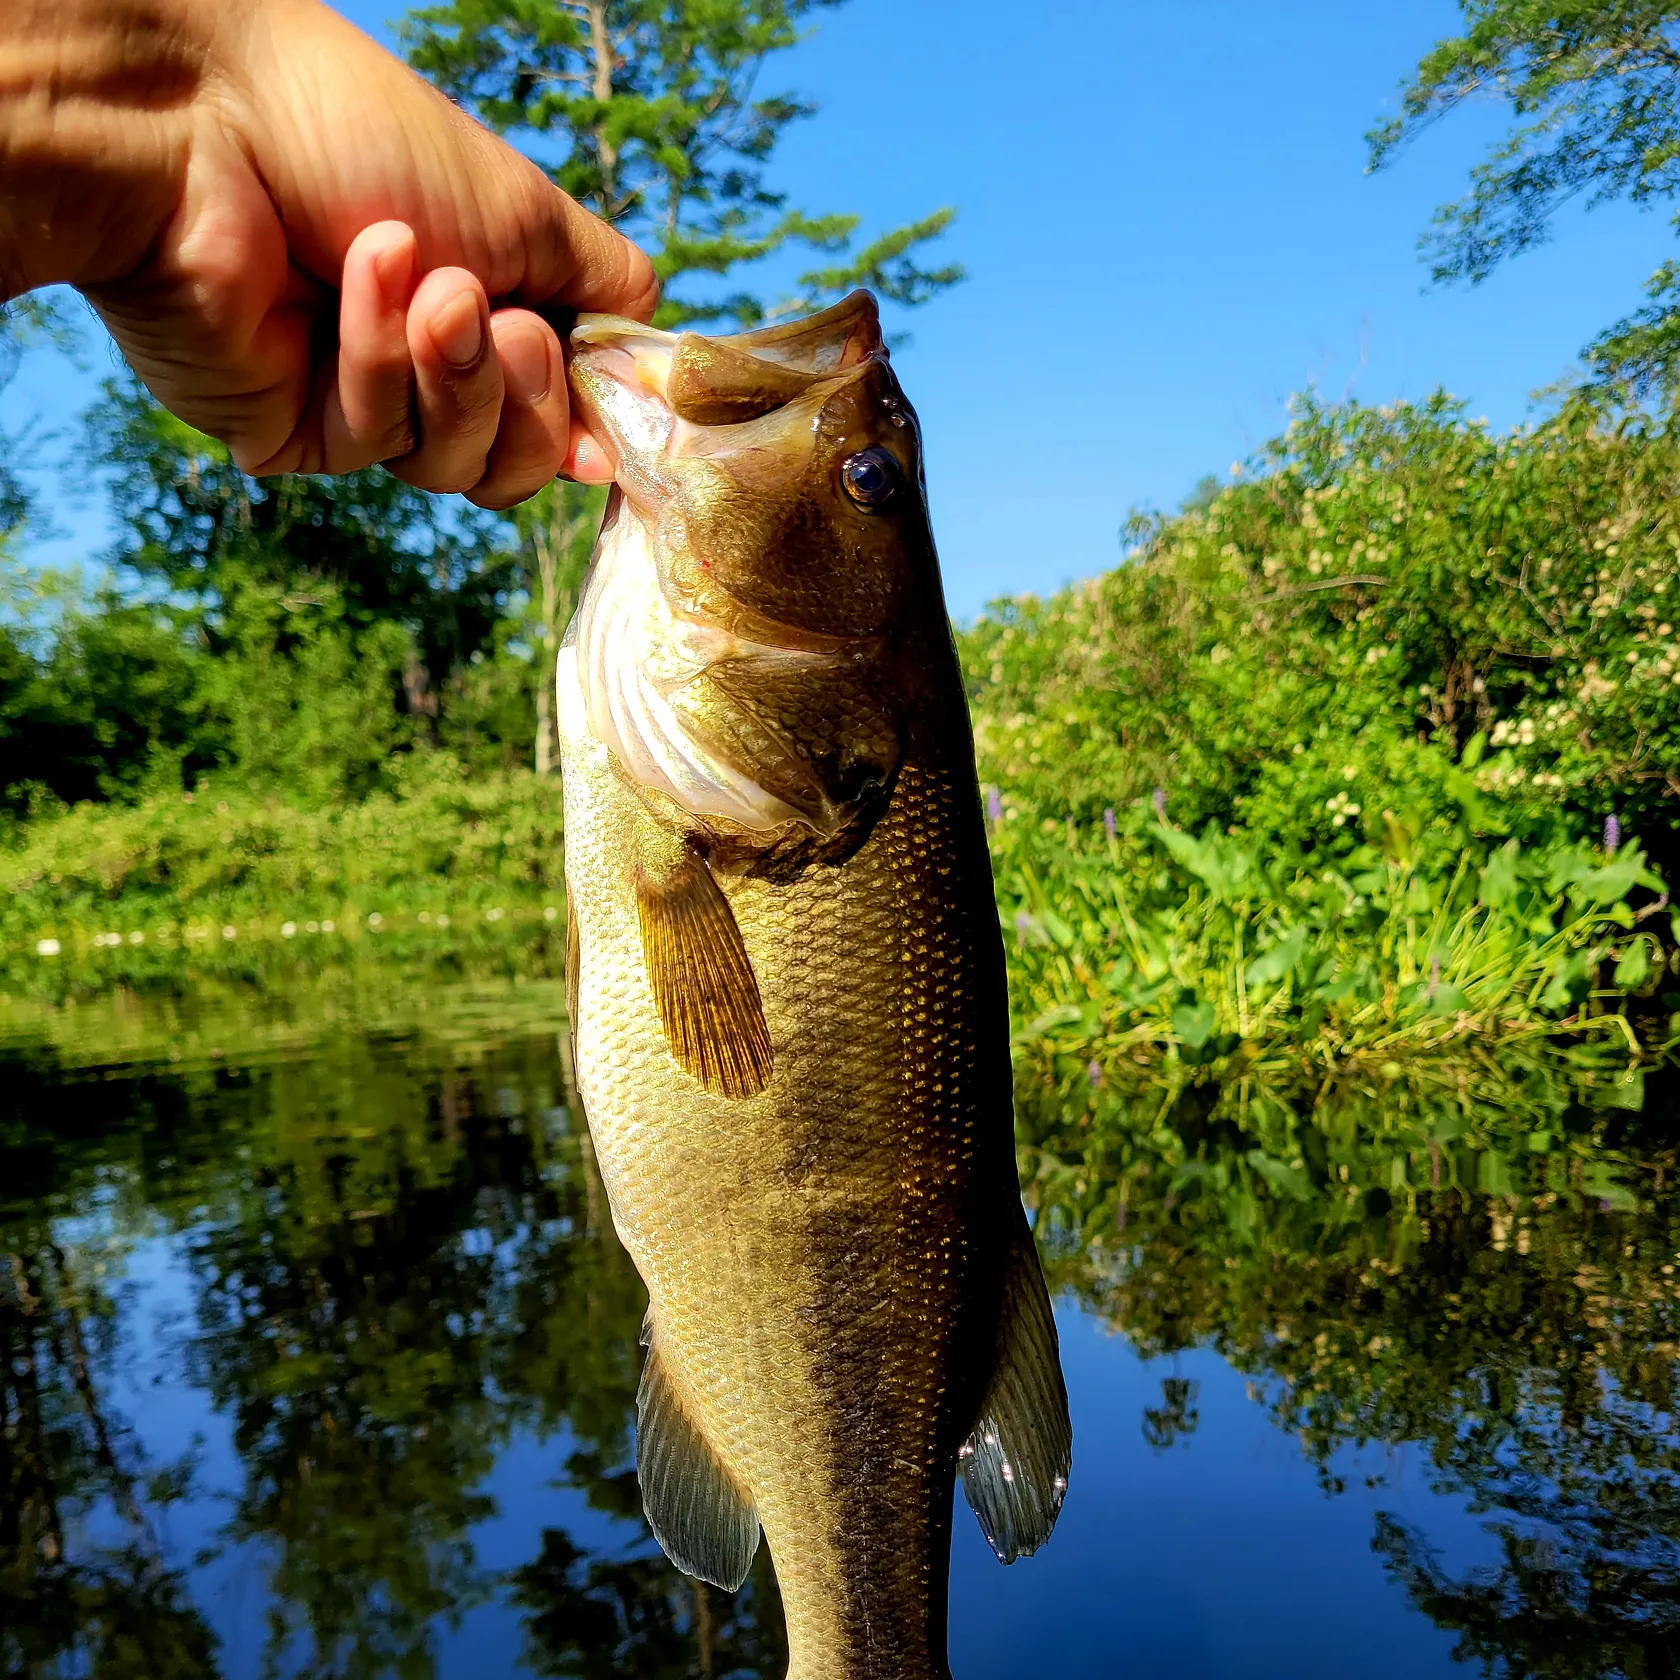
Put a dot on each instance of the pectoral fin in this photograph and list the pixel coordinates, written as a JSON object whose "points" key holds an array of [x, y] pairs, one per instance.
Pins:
{"points": [[1015, 1464], [707, 1526], [702, 978]]}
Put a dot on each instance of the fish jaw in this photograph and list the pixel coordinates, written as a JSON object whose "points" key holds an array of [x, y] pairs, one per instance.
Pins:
{"points": [[707, 666]]}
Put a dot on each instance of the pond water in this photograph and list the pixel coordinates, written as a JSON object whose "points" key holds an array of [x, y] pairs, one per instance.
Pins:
{"points": [[318, 1357]]}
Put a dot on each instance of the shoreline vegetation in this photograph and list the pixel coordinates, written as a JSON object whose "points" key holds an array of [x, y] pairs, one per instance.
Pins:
{"points": [[1357, 761], [1361, 766]]}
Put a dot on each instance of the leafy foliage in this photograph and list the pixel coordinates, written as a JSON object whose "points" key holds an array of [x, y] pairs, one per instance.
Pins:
{"points": [[144, 891], [1399, 631], [376, 548], [293, 633], [1354, 725], [1592, 87], [649, 112], [1199, 952]]}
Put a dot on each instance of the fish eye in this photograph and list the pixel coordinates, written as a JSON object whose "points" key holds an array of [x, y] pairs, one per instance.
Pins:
{"points": [[870, 478]]}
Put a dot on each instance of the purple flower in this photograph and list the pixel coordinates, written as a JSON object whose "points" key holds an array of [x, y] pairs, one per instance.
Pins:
{"points": [[1159, 800], [1612, 833], [1023, 926], [1094, 1074], [1110, 826], [994, 805]]}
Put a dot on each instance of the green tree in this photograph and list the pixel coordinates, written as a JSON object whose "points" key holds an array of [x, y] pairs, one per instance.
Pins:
{"points": [[23, 322], [339, 613], [556, 534], [647, 111], [194, 524], [1593, 89]]}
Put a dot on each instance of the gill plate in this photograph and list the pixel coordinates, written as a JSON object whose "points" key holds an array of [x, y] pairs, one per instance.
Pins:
{"points": [[632, 654]]}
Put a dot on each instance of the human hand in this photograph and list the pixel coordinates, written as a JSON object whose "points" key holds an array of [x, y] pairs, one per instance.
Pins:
{"points": [[303, 248]]}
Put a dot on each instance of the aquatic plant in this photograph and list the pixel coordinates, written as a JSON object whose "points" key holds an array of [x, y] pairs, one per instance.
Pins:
{"points": [[1162, 944]]}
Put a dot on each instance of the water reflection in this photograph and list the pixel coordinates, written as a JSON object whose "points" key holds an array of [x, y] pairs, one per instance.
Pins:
{"points": [[1373, 1292], [399, 1261], [318, 1357]]}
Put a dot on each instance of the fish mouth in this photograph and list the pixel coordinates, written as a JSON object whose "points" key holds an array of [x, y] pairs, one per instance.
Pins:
{"points": [[645, 393]]}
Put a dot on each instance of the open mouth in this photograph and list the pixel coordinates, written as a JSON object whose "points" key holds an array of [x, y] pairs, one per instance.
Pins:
{"points": [[644, 392]]}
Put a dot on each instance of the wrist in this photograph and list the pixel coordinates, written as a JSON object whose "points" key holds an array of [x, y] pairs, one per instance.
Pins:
{"points": [[96, 110]]}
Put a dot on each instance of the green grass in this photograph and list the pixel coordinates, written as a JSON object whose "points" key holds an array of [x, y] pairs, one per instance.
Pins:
{"points": [[146, 891]]}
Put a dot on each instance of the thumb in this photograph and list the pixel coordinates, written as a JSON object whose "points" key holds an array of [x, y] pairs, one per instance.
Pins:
{"points": [[581, 262]]}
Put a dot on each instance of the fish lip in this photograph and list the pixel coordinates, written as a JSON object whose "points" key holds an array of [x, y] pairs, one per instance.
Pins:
{"points": [[810, 352], [613, 331], [779, 341]]}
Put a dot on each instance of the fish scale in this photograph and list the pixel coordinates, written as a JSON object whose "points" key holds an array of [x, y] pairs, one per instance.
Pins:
{"points": [[827, 1238]]}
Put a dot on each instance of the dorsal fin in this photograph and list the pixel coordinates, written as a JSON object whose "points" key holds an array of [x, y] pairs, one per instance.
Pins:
{"points": [[706, 1524], [702, 978], [1015, 1464]]}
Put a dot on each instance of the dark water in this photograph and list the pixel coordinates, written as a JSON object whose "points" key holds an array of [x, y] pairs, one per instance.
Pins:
{"points": [[318, 1357]]}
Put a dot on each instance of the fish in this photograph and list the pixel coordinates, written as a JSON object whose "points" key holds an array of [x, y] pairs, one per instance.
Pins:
{"points": [[787, 994]]}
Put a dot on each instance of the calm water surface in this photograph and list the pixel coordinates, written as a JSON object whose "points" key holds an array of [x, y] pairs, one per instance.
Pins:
{"points": [[318, 1357]]}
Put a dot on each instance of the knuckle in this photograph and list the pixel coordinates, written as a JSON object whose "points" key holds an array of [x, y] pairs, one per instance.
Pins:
{"points": [[440, 477], [498, 497], [398, 443]]}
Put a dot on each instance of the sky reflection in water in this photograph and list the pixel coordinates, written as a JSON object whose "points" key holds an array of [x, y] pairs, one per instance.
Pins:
{"points": [[319, 1358]]}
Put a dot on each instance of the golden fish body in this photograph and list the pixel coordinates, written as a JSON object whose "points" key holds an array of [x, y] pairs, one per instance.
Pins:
{"points": [[792, 1038]]}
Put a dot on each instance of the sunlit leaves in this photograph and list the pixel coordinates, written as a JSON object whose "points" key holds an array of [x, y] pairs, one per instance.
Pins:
{"points": [[649, 112], [1593, 88]]}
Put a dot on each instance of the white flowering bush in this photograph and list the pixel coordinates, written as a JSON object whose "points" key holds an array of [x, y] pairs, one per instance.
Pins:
{"points": [[1395, 633]]}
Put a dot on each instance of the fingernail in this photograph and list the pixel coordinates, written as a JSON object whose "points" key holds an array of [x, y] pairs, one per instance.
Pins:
{"points": [[457, 330], [393, 269], [590, 463], [525, 368]]}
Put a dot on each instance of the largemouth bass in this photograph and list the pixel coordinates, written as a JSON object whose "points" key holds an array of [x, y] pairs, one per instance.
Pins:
{"points": [[787, 991]]}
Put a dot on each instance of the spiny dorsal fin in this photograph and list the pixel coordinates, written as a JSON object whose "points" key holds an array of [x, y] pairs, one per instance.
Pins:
{"points": [[1015, 1464], [703, 982], [707, 1526]]}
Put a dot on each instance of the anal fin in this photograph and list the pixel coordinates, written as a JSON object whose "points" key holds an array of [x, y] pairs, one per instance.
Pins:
{"points": [[705, 1523], [1015, 1464], [702, 978]]}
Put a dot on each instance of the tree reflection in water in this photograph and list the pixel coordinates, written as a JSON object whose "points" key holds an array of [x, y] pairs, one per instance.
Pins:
{"points": [[1375, 1292], [63, 1456], [401, 1259], [400, 1263]]}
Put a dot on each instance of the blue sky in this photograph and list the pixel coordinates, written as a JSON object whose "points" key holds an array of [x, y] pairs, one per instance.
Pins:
{"points": [[1168, 229]]}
